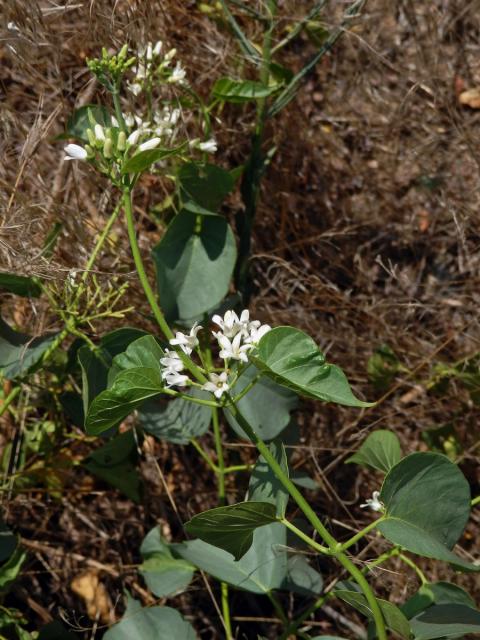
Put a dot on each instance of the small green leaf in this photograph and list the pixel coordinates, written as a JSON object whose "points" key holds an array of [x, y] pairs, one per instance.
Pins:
{"points": [[129, 390], [264, 485], [204, 186], [262, 569], [293, 360], [20, 353], [142, 352], [194, 262], [142, 160], [301, 578], [20, 285], [178, 420], [436, 593], [239, 91], [381, 450], [445, 621], [79, 122], [266, 406], [161, 623], [430, 524], [394, 618], [10, 569], [163, 574], [116, 463], [231, 528]]}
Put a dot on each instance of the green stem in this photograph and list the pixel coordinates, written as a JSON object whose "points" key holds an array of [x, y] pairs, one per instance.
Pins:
{"points": [[413, 566], [333, 545], [9, 399], [118, 110], [157, 312], [475, 501], [203, 454], [358, 536], [220, 459], [226, 611], [238, 467], [303, 536]]}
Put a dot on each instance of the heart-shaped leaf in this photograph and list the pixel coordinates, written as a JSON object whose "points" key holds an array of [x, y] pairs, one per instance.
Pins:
{"points": [[231, 528], [432, 522], [302, 578], [291, 358], [262, 569], [20, 353], [266, 406], [445, 621], [205, 185], [142, 352], [264, 485], [161, 623], [394, 618], [381, 450], [178, 420], [194, 262], [164, 574], [129, 390]]}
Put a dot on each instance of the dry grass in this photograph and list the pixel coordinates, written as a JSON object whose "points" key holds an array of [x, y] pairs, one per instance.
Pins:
{"points": [[368, 232]]}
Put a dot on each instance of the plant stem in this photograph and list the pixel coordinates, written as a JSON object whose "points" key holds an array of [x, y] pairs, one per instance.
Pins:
{"points": [[358, 536], [303, 536], [475, 501], [157, 312], [203, 454], [238, 467], [334, 546], [412, 564], [226, 611], [118, 110], [220, 459], [9, 399]]}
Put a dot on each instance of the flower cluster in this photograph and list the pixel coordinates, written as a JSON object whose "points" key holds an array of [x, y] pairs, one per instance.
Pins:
{"points": [[151, 65], [236, 337]]}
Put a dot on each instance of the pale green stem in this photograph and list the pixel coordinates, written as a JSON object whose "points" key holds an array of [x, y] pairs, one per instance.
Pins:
{"points": [[412, 564], [226, 611], [358, 536], [238, 467], [9, 399], [303, 536], [475, 501], [203, 454]]}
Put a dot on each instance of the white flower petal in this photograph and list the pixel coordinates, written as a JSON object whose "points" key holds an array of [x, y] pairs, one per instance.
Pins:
{"points": [[75, 152], [149, 144]]}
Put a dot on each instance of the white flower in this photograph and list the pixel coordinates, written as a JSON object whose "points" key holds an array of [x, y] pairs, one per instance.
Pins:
{"points": [[157, 48], [99, 132], [187, 343], [210, 146], [134, 137], [218, 384], [134, 87], [373, 503], [115, 121], [229, 324], [256, 332], [173, 378], [75, 152], [170, 55], [178, 74], [72, 277], [149, 144], [233, 348]]}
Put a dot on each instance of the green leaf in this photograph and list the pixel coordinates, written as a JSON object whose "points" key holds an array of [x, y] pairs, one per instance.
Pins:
{"points": [[436, 593], [394, 618], [302, 479], [301, 578], [205, 185], [161, 623], [10, 569], [264, 485], [8, 542], [266, 406], [79, 122], [177, 421], [116, 463], [239, 91], [129, 390], [144, 159], [194, 262], [432, 522], [291, 358], [19, 353], [445, 621], [381, 450], [20, 285], [141, 352], [262, 569], [231, 528], [163, 573]]}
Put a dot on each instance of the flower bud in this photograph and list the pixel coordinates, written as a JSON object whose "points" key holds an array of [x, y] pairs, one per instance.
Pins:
{"points": [[122, 141], [108, 148], [91, 137]]}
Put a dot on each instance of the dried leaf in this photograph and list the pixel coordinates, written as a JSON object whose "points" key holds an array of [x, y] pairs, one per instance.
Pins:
{"points": [[88, 586]]}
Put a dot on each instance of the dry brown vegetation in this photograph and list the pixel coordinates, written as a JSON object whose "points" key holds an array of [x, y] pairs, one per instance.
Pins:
{"points": [[368, 233]]}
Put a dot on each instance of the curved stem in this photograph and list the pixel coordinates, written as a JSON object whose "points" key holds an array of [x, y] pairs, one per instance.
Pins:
{"points": [[334, 546], [303, 536], [413, 566], [9, 399]]}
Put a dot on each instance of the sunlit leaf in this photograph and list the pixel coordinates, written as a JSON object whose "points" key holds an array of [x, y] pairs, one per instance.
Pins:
{"points": [[292, 359], [381, 450], [239, 91], [143, 160], [20, 353]]}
